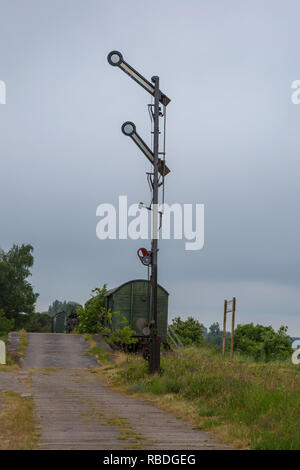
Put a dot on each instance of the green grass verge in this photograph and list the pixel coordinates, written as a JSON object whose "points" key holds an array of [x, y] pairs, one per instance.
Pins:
{"points": [[255, 404], [23, 344], [18, 430], [101, 354]]}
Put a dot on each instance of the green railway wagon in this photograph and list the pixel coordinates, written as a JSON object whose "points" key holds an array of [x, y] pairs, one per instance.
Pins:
{"points": [[64, 322], [59, 321], [133, 300]]}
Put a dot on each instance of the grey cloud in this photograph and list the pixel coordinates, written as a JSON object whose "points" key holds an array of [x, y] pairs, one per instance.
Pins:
{"points": [[232, 142]]}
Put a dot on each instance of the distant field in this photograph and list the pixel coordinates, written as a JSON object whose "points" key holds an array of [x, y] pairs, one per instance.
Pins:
{"points": [[254, 405]]}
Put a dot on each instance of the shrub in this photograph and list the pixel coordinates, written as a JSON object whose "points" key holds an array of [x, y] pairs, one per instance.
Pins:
{"points": [[38, 323], [94, 318], [91, 315], [263, 342], [189, 331], [6, 325]]}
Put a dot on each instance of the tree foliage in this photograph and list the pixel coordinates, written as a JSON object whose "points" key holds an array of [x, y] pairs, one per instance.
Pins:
{"points": [[38, 323], [215, 336], [6, 325], [91, 315], [190, 331], [95, 318], [214, 329], [62, 306], [263, 342], [16, 293], [121, 334]]}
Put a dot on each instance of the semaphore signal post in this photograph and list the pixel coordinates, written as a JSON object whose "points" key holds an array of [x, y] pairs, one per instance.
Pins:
{"points": [[115, 59]]}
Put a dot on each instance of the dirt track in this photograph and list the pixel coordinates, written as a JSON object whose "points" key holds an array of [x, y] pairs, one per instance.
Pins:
{"points": [[77, 411]]}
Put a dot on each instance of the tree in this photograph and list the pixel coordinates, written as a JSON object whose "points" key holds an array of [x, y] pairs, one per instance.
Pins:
{"points": [[215, 335], [95, 318], [91, 315], [214, 329], [57, 306], [190, 331], [263, 342], [38, 323], [6, 325], [16, 293]]}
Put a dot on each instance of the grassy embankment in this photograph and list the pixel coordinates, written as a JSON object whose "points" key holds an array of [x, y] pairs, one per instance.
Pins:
{"points": [[252, 405], [100, 353], [18, 425]]}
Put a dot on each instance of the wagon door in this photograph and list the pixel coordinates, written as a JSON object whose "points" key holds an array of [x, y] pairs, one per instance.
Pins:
{"points": [[140, 301]]}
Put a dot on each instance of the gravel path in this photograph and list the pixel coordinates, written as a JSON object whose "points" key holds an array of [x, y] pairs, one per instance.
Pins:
{"points": [[14, 382], [77, 411], [57, 350]]}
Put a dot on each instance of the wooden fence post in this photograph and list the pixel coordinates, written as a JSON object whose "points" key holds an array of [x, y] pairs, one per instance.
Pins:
{"points": [[224, 329], [232, 327]]}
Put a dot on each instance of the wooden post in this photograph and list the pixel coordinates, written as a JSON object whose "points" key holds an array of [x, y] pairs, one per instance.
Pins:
{"points": [[224, 329], [232, 327]]}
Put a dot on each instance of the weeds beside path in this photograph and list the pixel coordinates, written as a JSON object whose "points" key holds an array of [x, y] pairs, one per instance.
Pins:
{"points": [[18, 430], [75, 409], [18, 426], [254, 405]]}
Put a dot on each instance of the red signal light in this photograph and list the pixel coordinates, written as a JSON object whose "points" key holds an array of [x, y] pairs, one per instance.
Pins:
{"points": [[145, 256]]}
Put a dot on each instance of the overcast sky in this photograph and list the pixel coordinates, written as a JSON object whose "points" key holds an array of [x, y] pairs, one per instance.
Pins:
{"points": [[233, 144]]}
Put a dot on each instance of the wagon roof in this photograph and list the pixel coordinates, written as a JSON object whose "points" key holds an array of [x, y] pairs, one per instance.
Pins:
{"points": [[59, 313], [115, 289]]}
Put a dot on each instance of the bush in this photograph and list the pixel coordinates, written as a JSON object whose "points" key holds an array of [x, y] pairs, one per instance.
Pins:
{"points": [[38, 323], [6, 325], [94, 318], [123, 336], [263, 342], [91, 315], [189, 331]]}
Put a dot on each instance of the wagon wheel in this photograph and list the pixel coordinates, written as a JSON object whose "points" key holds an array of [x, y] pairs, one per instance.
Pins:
{"points": [[146, 353]]}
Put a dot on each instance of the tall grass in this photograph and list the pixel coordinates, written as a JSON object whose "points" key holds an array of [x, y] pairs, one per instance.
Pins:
{"points": [[18, 430], [256, 403], [14, 359]]}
